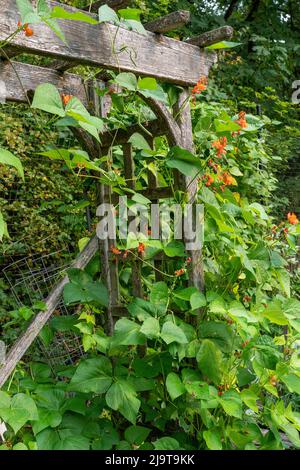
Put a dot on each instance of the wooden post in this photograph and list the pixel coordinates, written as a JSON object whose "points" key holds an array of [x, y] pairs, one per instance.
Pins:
{"points": [[137, 288], [189, 184]]}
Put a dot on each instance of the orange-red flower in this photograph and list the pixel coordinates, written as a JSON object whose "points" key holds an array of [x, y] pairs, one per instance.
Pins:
{"points": [[141, 248], [28, 31], [179, 272], [220, 145], [228, 180], [115, 250], [242, 120], [292, 218], [209, 181], [200, 86], [66, 99]]}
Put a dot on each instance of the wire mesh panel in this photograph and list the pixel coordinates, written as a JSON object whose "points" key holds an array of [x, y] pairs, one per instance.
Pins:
{"points": [[31, 279]]}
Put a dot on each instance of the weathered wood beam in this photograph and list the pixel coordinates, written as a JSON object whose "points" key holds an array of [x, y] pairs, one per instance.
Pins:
{"points": [[22, 78], [164, 115], [26, 339], [145, 54], [212, 37], [154, 194], [167, 23], [62, 66], [114, 4]]}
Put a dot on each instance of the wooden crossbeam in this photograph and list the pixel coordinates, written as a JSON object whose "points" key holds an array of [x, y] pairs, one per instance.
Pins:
{"points": [[167, 23], [114, 4], [22, 78], [107, 46], [212, 37]]}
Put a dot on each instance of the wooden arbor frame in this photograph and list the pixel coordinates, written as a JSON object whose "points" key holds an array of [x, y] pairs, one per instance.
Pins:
{"points": [[155, 55]]}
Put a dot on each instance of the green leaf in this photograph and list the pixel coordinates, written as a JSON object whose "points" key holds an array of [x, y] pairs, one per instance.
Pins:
{"points": [[175, 248], [172, 333], [197, 300], [47, 98], [82, 289], [20, 446], [134, 25], [275, 314], [174, 386], [130, 13], [127, 333], [291, 308], [107, 14], [159, 295], [136, 434], [284, 280], [59, 12], [150, 328], [157, 94], [107, 436], [65, 439], [122, 397], [232, 404], [127, 80], [219, 333], [21, 409], [139, 142], [184, 161], [292, 381], [209, 358], [147, 83], [166, 443], [28, 14], [92, 375], [140, 199], [250, 399], [223, 45], [226, 126], [7, 158], [212, 438], [185, 294]]}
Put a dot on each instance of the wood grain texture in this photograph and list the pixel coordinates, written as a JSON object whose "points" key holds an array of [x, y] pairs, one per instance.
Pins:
{"points": [[26, 339], [164, 24], [190, 185], [212, 37], [150, 54], [21, 78], [114, 4]]}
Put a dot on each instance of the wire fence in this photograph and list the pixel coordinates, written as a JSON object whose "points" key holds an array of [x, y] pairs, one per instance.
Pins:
{"points": [[31, 279]]}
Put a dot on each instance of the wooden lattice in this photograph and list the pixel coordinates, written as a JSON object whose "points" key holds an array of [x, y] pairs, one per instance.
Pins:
{"points": [[157, 56]]}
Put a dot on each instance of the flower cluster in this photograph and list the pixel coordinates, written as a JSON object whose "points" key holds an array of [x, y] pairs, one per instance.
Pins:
{"points": [[241, 121], [200, 86], [27, 30], [220, 145], [292, 218]]}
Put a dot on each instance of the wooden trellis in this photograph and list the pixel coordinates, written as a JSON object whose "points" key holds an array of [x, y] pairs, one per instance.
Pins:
{"points": [[155, 55]]}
